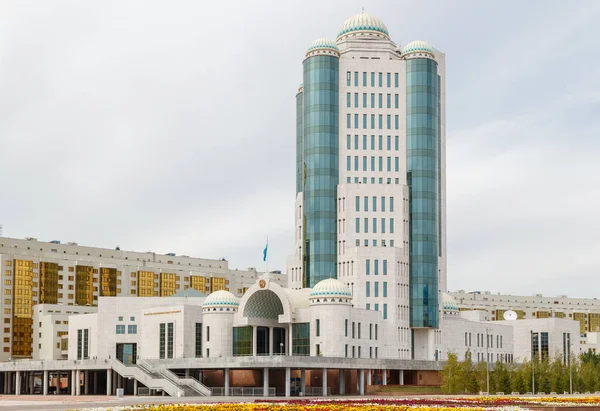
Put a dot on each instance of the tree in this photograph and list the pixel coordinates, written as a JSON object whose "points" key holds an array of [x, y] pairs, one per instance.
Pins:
{"points": [[501, 378], [450, 374], [467, 379], [480, 371]]}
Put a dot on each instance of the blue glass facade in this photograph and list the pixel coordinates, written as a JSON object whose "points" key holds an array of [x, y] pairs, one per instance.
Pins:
{"points": [[320, 156], [423, 169], [299, 134]]}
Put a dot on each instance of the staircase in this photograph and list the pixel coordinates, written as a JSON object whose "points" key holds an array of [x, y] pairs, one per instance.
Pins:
{"points": [[150, 379], [190, 386]]}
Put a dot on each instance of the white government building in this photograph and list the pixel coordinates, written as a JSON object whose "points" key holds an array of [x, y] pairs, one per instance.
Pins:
{"points": [[364, 301]]}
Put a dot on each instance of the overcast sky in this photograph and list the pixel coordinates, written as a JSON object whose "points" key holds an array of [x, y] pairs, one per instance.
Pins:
{"points": [[170, 126]]}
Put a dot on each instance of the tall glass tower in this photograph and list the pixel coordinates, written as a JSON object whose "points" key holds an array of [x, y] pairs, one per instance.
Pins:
{"points": [[370, 178]]}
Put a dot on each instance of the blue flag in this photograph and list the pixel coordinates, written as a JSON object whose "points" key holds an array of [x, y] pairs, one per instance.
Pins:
{"points": [[265, 251]]}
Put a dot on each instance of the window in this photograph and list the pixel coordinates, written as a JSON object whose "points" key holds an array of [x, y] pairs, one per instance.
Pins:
{"points": [[396, 121], [120, 329], [348, 163], [359, 331], [372, 79], [364, 142], [318, 327], [385, 288], [391, 225], [348, 99], [384, 268], [389, 79], [364, 100], [357, 203], [376, 267], [372, 121], [395, 79], [385, 311], [380, 143], [376, 286], [368, 289], [356, 78], [120, 318], [366, 225], [355, 100], [383, 202], [131, 318], [132, 329], [353, 325], [356, 121], [389, 164], [396, 164], [383, 229], [348, 142], [356, 141], [207, 334], [346, 328], [372, 100], [348, 77], [374, 203], [374, 225], [376, 331], [396, 100], [301, 339], [389, 101], [198, 351], [364, 82], [380, 79], [380, 117], [346, 350], [355, 163], [348, 120], [364, 122], [380, 100], [368, 267]]}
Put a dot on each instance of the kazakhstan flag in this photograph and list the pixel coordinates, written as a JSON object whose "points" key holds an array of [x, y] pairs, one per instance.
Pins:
{"points": [[265, 251]]}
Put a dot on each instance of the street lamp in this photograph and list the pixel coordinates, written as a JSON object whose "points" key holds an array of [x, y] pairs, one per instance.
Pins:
{"points": [[532, 366], [487, 362], [280, 348]]}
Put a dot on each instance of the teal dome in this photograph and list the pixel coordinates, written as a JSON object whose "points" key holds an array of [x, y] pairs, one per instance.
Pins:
{"points": [[365, 23], [417, 47], [449, 303], [330, 287], [323, 46]]}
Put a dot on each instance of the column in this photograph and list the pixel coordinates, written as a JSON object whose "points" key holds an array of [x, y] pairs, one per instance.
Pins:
{"points": [[271, 341], [18, 383], [303, 381], [95, 382], [45, 383], [384, 375], [254, 340], [324, 378], [114, 382], [290, 337], [108, 382], [187, 373], [401, 377], [57, 383], [31, 382], [369, 372], [86, 384], [342, 379], [135, 387], [288, 376], [77, 382], [266, 382], [6, 375], [226, 372], [73, 382], [361, 382]]}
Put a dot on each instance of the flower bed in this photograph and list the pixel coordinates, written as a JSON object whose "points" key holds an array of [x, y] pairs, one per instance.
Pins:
{"points": [[380, 404]]}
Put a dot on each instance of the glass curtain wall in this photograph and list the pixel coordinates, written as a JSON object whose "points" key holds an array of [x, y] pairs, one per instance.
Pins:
{"points": [[422, 147]]}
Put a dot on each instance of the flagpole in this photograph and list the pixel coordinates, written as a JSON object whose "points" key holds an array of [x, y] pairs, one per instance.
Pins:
{"points": [[267, 258]]}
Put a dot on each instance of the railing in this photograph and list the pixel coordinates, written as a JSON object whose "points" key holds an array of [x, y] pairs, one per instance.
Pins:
{"points": [[190, 382], [243, 392], [146, 378], [315, 392]]}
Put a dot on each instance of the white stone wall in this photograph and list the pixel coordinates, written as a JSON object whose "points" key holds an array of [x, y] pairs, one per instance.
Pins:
{"points": [[220, 343], [48, 321]]}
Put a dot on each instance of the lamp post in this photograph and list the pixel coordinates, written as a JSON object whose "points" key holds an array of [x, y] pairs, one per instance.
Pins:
{"points": [[569, 359], [487, 360], [532, 365], [280, 348]]}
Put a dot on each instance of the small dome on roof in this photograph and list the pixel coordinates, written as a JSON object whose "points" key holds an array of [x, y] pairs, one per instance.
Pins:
{"points": [[364, 23], [449, 303], [330, 287], [417, 46], [221, 298], [323, 46]]}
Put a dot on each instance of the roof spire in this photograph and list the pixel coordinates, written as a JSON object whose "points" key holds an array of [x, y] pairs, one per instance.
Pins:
{"points": [[363, 10]]}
